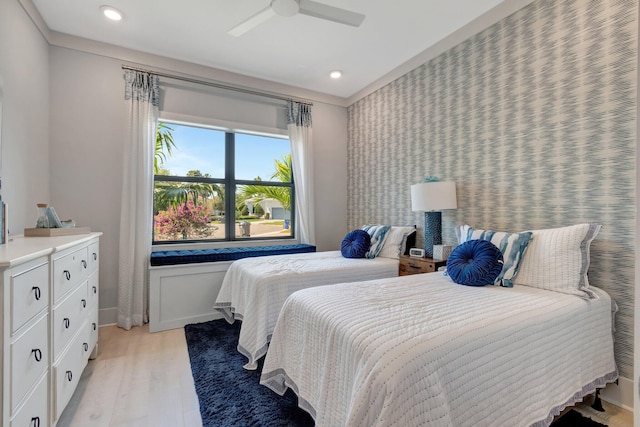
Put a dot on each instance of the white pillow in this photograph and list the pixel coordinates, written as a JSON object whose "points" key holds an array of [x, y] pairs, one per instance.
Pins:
{"points": [[396, 242], [557, 259]]}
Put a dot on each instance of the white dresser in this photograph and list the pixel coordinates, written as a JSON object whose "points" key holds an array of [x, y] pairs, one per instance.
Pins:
{"points": [[49, 323]]}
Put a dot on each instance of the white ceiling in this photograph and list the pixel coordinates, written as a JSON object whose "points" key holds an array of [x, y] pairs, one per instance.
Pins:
{"points": [[299, 51]]}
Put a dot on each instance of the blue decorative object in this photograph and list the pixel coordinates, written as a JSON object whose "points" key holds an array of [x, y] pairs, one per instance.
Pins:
{"points": [[475, 263], [355, 244], [432, 232], [431, 178]]}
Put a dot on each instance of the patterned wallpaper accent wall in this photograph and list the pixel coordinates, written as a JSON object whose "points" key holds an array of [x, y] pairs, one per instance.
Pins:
{"points": [[535, 120]]}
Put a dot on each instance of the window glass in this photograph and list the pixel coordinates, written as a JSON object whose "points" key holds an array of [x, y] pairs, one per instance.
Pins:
{"points": [[264, 211], [196, 149], [195, 199], [255, 156]]}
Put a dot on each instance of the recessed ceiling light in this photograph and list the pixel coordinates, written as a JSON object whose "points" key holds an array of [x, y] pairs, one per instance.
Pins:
{"points": [[111, 13], [336, 74]]}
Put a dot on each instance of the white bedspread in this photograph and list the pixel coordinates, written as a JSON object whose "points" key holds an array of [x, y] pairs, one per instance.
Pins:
{"points": [[254, 289], [422, 351]]}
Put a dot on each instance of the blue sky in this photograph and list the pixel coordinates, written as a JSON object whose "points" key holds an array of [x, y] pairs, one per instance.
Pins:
{"points": [[203, 149]]}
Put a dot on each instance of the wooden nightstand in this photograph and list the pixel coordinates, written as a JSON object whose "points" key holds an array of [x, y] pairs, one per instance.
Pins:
{"points": [[412, 265]]}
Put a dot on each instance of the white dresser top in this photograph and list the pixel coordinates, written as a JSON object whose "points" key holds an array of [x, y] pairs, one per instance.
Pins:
{"points": [[22, 249]]}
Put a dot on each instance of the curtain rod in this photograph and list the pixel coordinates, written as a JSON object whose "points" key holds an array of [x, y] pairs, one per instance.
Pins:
{"points": [[219, 85]]}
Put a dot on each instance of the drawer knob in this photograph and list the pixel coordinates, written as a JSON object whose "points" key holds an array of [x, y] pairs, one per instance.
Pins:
{"points": [[95, 256], [84, 303], [95, 290], [35, 421], [69, 375], [36, 291], [84, 263], [67, 322], [37, 354], [94, 326], [67, 274], [85, 346]]}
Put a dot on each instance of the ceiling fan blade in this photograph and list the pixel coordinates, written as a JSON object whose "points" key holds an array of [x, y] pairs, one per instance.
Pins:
{"points": [[335, 14], [252, 22]]}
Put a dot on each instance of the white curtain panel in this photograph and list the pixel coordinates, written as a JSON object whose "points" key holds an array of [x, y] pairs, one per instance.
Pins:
{"points": [[299, 127], [136, 215]]}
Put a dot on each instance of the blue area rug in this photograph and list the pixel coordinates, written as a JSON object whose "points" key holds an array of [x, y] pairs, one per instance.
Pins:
{"points": [[232, 396], [228, 394], [575, 419]]}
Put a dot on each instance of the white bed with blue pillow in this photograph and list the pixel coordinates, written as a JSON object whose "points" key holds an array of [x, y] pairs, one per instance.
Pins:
{"points": [[422, 350], [254, 289]]}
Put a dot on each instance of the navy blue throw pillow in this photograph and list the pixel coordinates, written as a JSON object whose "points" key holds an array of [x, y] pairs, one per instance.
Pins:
{"points": [[355, 244], [475, 263]]}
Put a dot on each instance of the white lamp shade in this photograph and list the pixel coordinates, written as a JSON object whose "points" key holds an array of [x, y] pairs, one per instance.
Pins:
{"points": [[433, 196]]}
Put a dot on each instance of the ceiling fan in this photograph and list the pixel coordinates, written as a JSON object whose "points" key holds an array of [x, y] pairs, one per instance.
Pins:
{"points": [[289, 8]]}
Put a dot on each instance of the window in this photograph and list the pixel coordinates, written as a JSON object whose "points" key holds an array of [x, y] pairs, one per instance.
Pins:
{"points": [[216, 185]]}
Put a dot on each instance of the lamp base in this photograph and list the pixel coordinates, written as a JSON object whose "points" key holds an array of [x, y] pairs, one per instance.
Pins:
{"points": [[432, 232]]}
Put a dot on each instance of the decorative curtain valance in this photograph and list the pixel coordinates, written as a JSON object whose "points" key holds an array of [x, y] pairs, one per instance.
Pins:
{"points": [[142, 86], [298, 114]]}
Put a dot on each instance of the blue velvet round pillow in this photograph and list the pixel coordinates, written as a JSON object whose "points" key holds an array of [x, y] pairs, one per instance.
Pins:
{"points": [[355, 244], [475, 263]]}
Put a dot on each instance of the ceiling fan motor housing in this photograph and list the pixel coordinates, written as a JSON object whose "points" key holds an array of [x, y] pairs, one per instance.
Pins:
{"points": [[285, 8]]}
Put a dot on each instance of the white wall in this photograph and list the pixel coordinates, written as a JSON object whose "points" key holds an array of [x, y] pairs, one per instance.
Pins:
{"points": [[86, 153], [87, 92], [24, 72], [330, 175]]}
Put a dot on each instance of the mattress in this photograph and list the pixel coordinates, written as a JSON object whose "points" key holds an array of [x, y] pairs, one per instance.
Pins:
{"points": [[254, 289], [420, 350]]}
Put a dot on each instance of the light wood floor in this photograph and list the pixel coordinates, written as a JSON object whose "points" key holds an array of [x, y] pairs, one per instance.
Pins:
{"points": [[138, 379], [143, 379]]}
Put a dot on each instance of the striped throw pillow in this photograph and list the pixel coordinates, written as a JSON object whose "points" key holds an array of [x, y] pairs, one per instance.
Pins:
{"points": [[378, 235], [396, 241], [512, 246]]}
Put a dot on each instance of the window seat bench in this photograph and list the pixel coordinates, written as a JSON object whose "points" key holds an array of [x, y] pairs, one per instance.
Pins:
{"points": [[224, 254], [184, 284]]}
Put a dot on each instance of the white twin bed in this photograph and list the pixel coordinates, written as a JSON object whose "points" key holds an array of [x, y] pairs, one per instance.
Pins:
{"points": [[421, 350], [254, 289]]}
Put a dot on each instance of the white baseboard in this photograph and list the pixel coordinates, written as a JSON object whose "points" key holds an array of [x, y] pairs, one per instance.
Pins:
{"points": [[108, 316], [620, 394]]}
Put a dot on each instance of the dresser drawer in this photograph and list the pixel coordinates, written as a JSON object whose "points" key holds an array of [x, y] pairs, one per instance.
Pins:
{"points": [[93, 256], [68, 317], [67, 373], [93, 290], [92, 326], [35, 411], [29, 359], [29, 295], [68, 271]]}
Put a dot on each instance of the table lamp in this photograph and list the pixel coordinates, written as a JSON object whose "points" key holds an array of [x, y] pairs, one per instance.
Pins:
{"points": [[432, 198]]}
